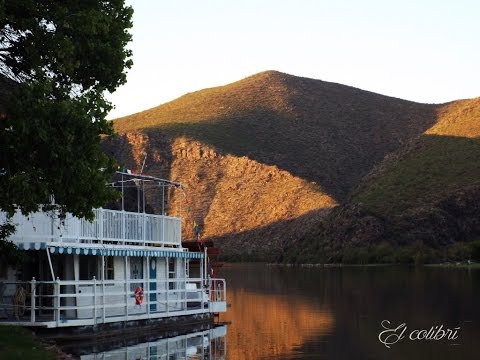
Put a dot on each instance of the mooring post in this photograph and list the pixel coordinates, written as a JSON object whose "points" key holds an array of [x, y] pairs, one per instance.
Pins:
{"points": [[33, 291], [57, 307]]}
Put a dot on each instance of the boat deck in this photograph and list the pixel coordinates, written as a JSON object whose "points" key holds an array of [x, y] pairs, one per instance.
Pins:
{"points": [[59, 304]]}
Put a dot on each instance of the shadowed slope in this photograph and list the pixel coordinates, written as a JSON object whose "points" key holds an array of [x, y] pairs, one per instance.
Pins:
{"points": [[443, 160], [424, 198]]}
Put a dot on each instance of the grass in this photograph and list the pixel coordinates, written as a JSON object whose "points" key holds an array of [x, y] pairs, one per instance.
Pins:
{"points": [[19, 343]]}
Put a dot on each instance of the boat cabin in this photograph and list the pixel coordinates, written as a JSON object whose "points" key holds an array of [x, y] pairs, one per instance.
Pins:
{"points": [[122, 266]]}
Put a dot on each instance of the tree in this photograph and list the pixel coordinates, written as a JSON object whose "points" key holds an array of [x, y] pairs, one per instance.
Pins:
{"points": [[57, 59]]}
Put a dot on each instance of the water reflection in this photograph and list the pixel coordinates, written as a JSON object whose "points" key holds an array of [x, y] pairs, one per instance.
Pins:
{"points": [[270, 319], [273, 325], [335, 313], [208, 344]]}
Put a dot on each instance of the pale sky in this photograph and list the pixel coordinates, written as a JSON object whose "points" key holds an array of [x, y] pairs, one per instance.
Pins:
{"points": [[420, 50]]}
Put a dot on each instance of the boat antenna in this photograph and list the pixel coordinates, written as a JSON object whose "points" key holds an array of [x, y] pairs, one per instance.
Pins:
{"points": [[144, 160]]}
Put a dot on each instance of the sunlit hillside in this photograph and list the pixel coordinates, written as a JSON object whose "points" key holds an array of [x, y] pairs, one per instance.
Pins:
{"points": [[264, 157]]}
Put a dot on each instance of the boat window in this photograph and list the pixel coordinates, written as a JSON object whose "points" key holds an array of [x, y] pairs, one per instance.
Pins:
{"points": [[171, 273], [88, 267], [136, 271], [136, 268], [108, 273]]}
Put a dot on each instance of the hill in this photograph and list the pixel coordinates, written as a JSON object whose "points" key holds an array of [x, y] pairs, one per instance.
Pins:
{"points": [[264, 157], [420, 204]]}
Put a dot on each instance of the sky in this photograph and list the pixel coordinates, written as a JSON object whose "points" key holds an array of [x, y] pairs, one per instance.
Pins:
{"points": [[420, 50]]}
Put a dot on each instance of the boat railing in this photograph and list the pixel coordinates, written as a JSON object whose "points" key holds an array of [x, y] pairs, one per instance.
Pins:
{"points": [[217, 290], [108, 226], [89, 302], [217, 293]]}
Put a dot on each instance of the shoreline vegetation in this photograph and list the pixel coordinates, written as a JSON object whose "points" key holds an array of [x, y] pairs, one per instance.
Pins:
{"points": [[459, 253], [468, 264], [458, 265]]}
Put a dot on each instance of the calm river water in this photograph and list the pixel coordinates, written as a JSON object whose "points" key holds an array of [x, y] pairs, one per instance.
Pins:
{"points": [[334, 313]]}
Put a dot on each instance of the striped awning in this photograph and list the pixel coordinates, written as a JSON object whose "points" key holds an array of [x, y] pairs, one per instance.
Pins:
{"points": [[110, 251], [32, 246]]}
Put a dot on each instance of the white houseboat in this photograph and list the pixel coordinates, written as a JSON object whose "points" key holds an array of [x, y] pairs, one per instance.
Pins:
{"points": [[121, 267]]}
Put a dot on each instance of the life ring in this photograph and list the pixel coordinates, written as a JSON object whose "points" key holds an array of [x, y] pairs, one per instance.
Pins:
{"points": [[138, 296]]}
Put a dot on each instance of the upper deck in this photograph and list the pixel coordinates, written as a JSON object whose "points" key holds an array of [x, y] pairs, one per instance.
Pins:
{"points": [[108, 227]]}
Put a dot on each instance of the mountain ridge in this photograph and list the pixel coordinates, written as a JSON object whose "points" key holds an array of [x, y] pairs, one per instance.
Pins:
{"points": [[278, 76], [251, 151]]}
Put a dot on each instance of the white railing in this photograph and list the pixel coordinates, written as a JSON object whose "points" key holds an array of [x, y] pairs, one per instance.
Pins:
{"points": [[89, 302], [217, 291], [109, 226]]}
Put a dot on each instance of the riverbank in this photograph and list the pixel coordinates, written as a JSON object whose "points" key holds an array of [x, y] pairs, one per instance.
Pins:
{"points": [[19, 343], [453, 265]]}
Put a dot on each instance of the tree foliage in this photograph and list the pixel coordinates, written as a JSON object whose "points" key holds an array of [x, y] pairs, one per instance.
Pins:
{"points": [[74, 43], [58, 58]]}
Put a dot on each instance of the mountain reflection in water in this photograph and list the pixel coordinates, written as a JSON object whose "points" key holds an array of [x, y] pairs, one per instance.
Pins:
{"points": [[269, 317], [272, 326]]}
